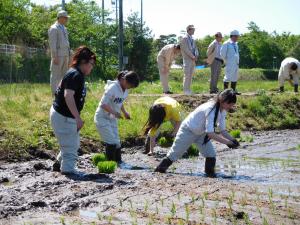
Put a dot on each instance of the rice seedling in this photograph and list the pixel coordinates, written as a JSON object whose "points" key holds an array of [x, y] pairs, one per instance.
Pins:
{"points": [[98, 157], [173, 209], [235, 133], [146, 207], [178, 196], [214, 215], [156, 209], [187, 212], [107, 167], [205, 195], [161, 201], [193, 151], [99, 216], [62, 220], [265, 221], [247, 219]]}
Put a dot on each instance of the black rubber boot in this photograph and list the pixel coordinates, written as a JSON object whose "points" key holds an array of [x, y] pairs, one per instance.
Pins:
{"points": [[233, 86], [110, 152], [164, 165], [210, 164], [281, 89], [147, 146], [119, 155], [226, 84], [295, 87], [56, 166]]}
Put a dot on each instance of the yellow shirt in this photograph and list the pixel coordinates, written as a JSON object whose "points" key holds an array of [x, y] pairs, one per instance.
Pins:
{"points": [[172, 109]]}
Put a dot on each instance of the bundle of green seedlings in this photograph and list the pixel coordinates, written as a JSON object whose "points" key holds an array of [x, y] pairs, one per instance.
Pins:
{"points": [[166, 142], [104, 166], [241, 138]]}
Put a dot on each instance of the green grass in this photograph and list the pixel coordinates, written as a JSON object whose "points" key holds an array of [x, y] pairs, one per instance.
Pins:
{"points": [[24, 111], [98, 157], [107, 167]]}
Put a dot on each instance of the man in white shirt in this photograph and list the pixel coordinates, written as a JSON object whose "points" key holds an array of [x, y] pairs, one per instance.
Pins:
{"points": [[231, 57], [165, 58], [289, 70], [59, 48], [214, 59], [190, 54]]}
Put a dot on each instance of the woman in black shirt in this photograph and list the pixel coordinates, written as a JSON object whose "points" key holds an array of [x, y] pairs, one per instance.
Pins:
{"points": [[65, 111]]}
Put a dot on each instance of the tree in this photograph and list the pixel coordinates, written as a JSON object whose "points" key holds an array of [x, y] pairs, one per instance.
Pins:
{"points": [[138, 46]]}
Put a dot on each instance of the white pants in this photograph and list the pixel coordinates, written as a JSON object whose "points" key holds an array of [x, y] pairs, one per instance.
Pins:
{"points": [[184, 139], [108, 130], [282, 79], [189, 69], [231, 72], [65, 130], [58, 71]]}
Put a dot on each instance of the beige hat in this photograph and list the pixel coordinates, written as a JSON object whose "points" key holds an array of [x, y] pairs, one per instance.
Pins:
{"points": [[189, 27], [62, 13]]}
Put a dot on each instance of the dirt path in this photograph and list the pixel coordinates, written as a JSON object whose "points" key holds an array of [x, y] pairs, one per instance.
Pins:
{"points": [[262, 186]]}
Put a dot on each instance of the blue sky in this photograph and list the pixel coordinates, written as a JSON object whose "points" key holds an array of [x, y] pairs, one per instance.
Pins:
{"points": [[172, 16]]}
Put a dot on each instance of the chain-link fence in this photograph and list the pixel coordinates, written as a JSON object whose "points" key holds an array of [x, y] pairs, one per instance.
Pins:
{"points": [[23, 64]]}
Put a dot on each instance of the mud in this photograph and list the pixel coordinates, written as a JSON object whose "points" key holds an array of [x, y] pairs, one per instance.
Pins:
{"points": [[259, 183]]}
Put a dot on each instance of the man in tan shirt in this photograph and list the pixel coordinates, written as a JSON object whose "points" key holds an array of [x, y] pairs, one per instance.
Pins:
{"points": [[190, 54], [60, 49], [215, 61], [165, 58]]}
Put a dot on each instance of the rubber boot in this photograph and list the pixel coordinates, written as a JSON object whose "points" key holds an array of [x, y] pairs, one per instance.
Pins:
{"points": [[147, 146], [118, 155], [110, 151], [281, 89], [233, 86], [210, 163], [226, 84], [164, 165], [56, 166], [295, 87]]}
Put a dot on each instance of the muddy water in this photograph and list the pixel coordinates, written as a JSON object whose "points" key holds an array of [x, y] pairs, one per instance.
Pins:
{"points": [[259, 182]]}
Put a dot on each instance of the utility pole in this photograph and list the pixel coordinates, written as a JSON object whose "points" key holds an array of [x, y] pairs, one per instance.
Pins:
{"points": [[63, 5], [103, 41], [141, 15], [121, 35]]}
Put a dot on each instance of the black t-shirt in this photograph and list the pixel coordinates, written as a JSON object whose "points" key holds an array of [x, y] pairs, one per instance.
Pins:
{"points": [[73, 80]]}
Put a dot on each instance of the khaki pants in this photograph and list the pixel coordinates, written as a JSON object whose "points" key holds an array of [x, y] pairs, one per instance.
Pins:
{"points": [[58, 71], [65, 130], [184, 139], [164, 76], [215, 68], [189, 68]]}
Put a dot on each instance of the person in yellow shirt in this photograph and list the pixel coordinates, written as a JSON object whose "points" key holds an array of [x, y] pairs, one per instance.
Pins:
{"points": [[164, 109]]}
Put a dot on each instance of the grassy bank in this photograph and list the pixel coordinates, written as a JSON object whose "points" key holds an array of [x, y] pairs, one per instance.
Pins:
{"points": [[24, 114]]}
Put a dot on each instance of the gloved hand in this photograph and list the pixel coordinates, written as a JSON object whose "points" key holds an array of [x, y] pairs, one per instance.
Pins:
{"points": [[234, 144]]}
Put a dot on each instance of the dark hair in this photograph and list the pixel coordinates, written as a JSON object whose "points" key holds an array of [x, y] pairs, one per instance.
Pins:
{"points": [[294, 66], [157, 114], [130, 76], [218, 34], [177, 46], [228, 96], [82, 55]]}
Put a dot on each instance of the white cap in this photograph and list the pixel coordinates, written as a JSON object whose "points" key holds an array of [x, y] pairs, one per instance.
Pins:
{"points": [[234, 33], [62, 13]]}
